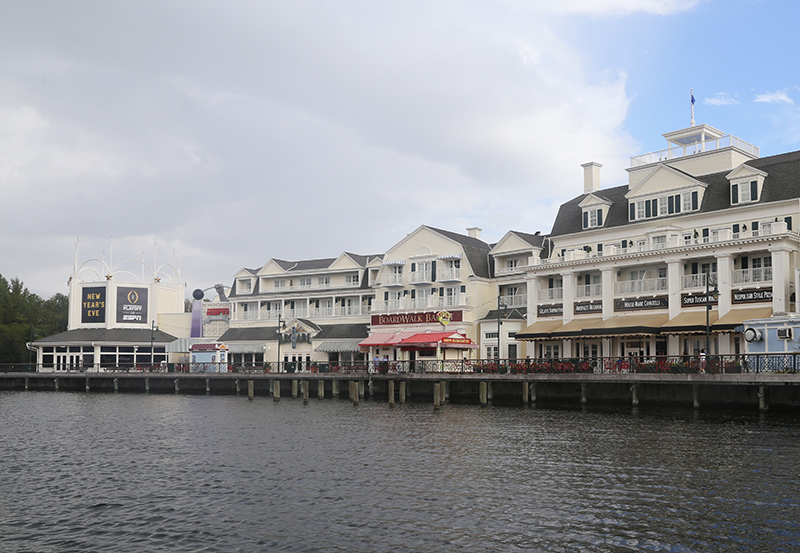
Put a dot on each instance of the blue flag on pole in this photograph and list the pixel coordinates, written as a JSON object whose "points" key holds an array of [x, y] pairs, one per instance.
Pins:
{"points": [[692, 99]]}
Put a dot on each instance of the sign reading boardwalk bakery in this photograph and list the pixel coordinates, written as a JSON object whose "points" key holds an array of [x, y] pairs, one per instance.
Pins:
{"points": [[414, 318], [659, 302]]}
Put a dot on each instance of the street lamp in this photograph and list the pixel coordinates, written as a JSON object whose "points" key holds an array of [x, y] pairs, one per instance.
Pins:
{"points": [[500, 306], [280, 325], [153, 328], [709, 294]]}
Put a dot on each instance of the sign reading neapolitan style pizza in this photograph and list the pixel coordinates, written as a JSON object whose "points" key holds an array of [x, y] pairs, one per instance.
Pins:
{"points": [[751, 296], [414, 318], [660, 302], [93, 304], [132, 305]]}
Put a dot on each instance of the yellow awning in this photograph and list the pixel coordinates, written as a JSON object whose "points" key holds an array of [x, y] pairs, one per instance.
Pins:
{"points": [[576, 327], [735, 317], [539, 329], [621, 325], [689, 321]]}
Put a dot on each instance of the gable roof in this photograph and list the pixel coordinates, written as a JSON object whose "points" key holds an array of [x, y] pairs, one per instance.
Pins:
{"points": [[476, 250]]}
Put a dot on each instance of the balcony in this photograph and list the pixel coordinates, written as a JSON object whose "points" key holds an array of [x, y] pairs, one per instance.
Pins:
{"points": [[445, 275], [520, 300], [420, 304], [551, 294], [510, 270], [698, 280], [589, 291], [348, 311], [321, 312], [393, 280], [690, 149], [752, 276], [294, 313], [421, 277], [639, 286]]}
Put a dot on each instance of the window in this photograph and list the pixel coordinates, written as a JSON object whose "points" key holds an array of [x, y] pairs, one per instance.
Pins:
{"points": [[661, 206], [512, 263], [551, 350], [244, 286], [305, 282], [490, 335], [279, 284], [351, 280], [592, 218], [743, 192], [324, 281], [659, 242]]}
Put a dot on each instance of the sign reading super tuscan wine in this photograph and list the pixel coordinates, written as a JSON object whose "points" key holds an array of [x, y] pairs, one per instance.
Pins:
{"points": [[132, 305], [93, 305], [659, 302], [415, 318]]}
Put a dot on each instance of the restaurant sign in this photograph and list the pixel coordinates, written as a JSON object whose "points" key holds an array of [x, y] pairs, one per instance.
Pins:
{"points": [[415, 318], [550, 310], [687, 300], [588, 307], [660, 302], [751, 296], [93, 304], [132, 305]]}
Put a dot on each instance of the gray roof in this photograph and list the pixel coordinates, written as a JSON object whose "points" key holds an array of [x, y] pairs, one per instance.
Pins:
{"points": [[343, 331], [782, 183], [476, 250], [512, 314], [113, 335], [261, 333]]}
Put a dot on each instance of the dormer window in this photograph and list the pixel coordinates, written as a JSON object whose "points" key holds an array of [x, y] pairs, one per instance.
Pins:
{"points": [[663, 205], [744, 192], [592, 218]]}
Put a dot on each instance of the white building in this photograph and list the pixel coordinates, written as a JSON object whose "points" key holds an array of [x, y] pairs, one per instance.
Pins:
{"points": [[629, 267]]}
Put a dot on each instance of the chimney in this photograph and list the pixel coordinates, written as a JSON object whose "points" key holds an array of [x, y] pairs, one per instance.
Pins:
{"points": [[591, 177], [474, 232]]}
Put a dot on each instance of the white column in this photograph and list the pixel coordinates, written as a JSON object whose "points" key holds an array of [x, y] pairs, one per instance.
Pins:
{"points": [[568, 282], [780, 280], [674, 283], [533, 296], [607, 281], [724, 280]]}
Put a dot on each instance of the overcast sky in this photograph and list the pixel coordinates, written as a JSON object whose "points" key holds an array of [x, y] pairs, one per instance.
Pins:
{"points": [[217, 135]]}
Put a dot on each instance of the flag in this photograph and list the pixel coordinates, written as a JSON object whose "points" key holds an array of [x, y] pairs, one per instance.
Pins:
{"points": [[692, 99]]}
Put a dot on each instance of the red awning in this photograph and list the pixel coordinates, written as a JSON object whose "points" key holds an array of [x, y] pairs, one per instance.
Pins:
{"points": [[438, 339]]}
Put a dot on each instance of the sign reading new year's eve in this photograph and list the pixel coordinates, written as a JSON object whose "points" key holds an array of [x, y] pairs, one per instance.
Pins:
{"points": [[659, 302], [93, 305], [748, 296], [132, 305]]}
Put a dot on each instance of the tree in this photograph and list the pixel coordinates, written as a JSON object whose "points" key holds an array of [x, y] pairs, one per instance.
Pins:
{"points": [[25, 316]]}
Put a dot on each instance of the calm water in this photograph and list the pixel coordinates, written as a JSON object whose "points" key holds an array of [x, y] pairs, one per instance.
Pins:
{"points": [[120, 473]]}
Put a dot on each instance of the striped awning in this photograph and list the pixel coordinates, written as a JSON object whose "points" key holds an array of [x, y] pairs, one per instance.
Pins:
{"points": [[336, 346]]}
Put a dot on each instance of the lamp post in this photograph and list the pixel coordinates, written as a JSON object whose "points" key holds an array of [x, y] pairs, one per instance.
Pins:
{"points": [[709, 294], [500, 306], [280, 325], [153, 329]]}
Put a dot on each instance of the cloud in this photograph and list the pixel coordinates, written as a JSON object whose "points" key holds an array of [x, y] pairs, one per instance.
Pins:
{"points": [[605, 7], [720, 99], [777, 97]]}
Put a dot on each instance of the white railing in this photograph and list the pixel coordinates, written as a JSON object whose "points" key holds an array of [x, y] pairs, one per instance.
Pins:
{"points": [[697, 280], [509, 270], [589, 291], [520, 300], [393, 279], [640, 285], [448, 274], [294, 313], [551, 294], [250, 315], [747, 276], [690, 149], [421, 276], [420, 304], [348, 310], [321, 312]]}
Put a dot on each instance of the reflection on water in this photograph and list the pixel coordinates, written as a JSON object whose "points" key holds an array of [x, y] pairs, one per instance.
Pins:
{"points": [[86, 472]]}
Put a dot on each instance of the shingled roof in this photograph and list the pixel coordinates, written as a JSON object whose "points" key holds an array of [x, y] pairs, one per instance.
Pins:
{"points": [[782, 183]]}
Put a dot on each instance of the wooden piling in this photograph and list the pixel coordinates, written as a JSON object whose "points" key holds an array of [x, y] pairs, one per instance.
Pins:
{"points": [[484, 395], [442, 391], [87, 383], [583, 393], [354, 391], [335, 388], [27, 379], [361, 386], [294, 388], [391, 392], [55, 383], [533, 392], [276, 390], [635, 394], [403, 385], [695, 396], [763, 402], [437, 397], [238, 387], [305, 386], [321, 389], [525, 393], [208, 386], [251, 389], [489, 392], [147, 385], [177, 387], [116, 385]]}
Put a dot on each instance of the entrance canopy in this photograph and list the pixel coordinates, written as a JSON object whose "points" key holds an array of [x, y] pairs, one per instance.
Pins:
{"points": [[735, 317], [385, 338], [689, 322]]}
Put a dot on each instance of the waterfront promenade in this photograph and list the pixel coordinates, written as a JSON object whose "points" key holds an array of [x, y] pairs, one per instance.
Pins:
{"points": [[750, 390]]}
